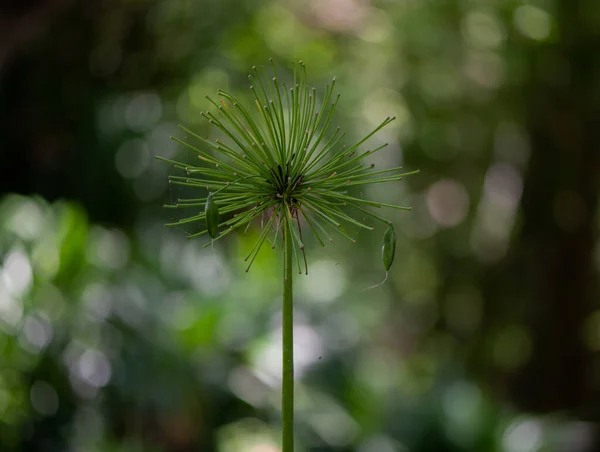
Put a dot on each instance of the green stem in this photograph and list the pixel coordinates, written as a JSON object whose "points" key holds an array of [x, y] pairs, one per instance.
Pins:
{"points": [[287, 408]]}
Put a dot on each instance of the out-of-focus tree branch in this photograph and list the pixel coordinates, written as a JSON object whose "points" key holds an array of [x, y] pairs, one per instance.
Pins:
{"points": [[560, 199]]}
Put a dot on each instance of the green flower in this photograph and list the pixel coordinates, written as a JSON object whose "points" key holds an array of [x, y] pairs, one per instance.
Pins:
{"points": [[282, 161]]}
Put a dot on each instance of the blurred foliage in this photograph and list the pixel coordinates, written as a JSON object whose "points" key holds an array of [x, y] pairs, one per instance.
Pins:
{"points": [[119, 335]]}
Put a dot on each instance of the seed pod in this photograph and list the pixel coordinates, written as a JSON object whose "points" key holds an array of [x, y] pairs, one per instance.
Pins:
{"points": [[211, 211], [388, 249]]}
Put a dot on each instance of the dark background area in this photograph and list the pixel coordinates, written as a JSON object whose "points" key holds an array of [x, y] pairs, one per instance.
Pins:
{"points": [[117, 334]]}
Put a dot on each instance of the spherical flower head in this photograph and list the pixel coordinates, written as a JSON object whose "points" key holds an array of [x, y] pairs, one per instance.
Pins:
{"points": [[281, 161]]}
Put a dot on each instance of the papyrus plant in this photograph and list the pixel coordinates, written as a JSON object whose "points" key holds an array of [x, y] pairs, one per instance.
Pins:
{"points": [[281, 161]]}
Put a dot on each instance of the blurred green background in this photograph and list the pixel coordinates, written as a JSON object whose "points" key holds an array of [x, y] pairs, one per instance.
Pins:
{"points": [[117, 334]]}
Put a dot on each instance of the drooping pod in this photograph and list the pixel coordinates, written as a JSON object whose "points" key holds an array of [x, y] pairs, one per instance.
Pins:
{"points": [[211, 211], [388, 250], [388, 247]]}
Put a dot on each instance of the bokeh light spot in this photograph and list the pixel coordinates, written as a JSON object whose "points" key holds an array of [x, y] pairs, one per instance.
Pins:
{"points": [[339, 15], [461, 403], [36, 333], [448, 202], [325, 281], [143, 111], [132, 158], [482, 29], [390, 102], [205, 83], [497, 211], [419, 224], [523, 435], [511, 144], [27, 219], [17, 274], [533, 22], [44, 398], [11, 310], [381, 443], [97, 300], [108, 248], [486, 69], [377, 27], [247, 435], [247, 387], [94, 368], [282, 31]]}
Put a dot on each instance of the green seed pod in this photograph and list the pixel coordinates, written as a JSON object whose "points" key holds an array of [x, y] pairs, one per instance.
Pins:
{"points": [[211, 210], [388, 249]]}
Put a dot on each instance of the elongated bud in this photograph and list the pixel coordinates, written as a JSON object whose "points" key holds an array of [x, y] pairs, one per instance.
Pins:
{"points": [[388, 248], [211, 210]]}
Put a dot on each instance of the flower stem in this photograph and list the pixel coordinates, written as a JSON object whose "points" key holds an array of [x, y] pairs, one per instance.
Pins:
{"points": [[287, 408]]}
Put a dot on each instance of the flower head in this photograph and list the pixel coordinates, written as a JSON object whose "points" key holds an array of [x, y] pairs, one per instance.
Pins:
{"points": [[281, 161]]}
